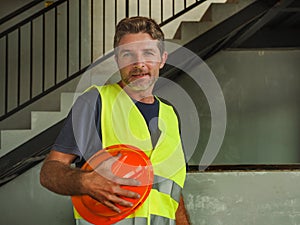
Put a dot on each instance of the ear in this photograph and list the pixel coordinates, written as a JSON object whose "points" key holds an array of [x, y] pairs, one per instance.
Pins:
{"points": [[164, 58]]}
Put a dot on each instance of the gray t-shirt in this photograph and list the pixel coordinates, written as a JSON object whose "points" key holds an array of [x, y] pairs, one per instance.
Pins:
{"points": [[81, 134]]}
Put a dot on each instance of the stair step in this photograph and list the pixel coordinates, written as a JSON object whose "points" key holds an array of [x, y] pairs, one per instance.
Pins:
{"points": [[10, 139], [67, 100], [191, 30], [215, 14], [194, 15], [219, 13], [43, 120], [40, 121]]}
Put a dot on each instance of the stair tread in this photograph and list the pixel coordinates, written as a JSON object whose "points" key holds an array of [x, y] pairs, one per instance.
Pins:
{"points": [[188, 30], [40, 121]]}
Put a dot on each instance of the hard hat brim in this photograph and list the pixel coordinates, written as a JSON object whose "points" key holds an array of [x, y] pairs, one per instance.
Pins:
{"points": [[133, 163]]}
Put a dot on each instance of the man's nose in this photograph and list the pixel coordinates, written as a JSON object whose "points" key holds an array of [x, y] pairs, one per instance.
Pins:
{"points": [[139, 61]]}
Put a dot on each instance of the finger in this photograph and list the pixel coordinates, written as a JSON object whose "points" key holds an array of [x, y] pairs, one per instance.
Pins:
{"points": [[117, 200], [113, 193], [111, 206], [126, 193], [110, 200]]}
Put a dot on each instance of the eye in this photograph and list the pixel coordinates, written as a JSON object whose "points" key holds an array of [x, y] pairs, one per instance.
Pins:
{"points": [[149, 53], [126, 54]]}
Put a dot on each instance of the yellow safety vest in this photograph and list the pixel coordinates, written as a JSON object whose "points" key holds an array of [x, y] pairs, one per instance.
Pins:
{"points": [[123, 123]]}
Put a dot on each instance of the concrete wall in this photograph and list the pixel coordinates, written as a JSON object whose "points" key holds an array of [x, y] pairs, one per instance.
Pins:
{"points": [[261, 89], [248, 198], [211, 198], [25, 202]]}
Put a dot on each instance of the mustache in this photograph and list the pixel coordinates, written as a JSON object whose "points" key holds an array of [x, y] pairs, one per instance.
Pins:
{"points": [[137, 71]]}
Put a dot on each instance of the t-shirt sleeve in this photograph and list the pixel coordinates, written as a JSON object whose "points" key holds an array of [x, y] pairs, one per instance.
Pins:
{"points": [[80, 134]]}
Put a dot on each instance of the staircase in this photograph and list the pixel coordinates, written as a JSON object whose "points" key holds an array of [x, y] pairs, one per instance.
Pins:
{"points": [[41, 121], [214, 15]]}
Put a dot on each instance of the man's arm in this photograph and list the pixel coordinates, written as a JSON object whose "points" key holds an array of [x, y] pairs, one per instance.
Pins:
{"points": [[181, 213], [58, 176]]}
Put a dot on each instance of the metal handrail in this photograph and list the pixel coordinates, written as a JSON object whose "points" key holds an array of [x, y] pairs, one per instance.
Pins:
{"points": [[19, 11], [31, 18], [27, 47]]}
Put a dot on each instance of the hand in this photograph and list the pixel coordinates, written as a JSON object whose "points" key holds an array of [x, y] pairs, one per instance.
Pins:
{"points": [[104, 186]]}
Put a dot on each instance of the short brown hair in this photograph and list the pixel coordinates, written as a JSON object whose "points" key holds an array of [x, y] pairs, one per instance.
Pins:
{"points": [[139, 24]]}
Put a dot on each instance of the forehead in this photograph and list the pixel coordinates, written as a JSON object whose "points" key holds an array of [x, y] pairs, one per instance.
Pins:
{"points": [[137, 41]]}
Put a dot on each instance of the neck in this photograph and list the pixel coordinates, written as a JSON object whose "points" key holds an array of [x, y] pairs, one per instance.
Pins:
{"points": [[144, 96]]}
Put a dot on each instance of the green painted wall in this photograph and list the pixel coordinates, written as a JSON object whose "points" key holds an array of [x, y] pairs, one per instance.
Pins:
{"points": [[261, 91]]}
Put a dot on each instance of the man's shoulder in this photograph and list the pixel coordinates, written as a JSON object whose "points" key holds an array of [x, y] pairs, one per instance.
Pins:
{"points": [[88, 99], [90, 93]]}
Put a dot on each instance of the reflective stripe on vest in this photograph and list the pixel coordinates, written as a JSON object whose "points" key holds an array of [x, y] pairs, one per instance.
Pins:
{"points": [[133, 221], [123, 123], [155, 220], [161, 220], [167, 186]]}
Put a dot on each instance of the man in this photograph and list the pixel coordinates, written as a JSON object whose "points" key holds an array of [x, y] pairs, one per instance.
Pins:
{"points": [[124, 113]]}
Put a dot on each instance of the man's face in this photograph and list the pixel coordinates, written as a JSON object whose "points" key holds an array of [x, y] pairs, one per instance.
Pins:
{"points": [[139, 60]]}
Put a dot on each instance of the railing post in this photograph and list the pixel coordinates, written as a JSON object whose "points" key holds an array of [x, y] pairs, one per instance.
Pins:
{"points": [[68, 38], [127, 8], [161, 11], [19, 68], [92, 30], [150, 12], [6, 75], [79, 35], [31, 61], [55, 45], [103, 29], [43, 52]]}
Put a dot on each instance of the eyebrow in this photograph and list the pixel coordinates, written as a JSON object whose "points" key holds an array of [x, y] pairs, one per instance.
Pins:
{"points": [[149, 49], [124, 50], [129, 50]]}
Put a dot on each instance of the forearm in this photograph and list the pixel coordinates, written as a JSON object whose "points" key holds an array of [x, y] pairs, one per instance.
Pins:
{"points": [[181, 214], [61, 178], [58, 176]]}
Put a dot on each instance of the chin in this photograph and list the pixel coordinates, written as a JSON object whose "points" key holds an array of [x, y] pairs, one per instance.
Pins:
{"points": [[140, 86]]}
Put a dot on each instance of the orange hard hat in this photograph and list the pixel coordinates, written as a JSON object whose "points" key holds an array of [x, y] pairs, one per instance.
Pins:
{"points": [[131, 163]]}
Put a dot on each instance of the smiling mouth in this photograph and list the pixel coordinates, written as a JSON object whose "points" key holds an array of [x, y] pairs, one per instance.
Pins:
{"points": [[140, 75]]}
